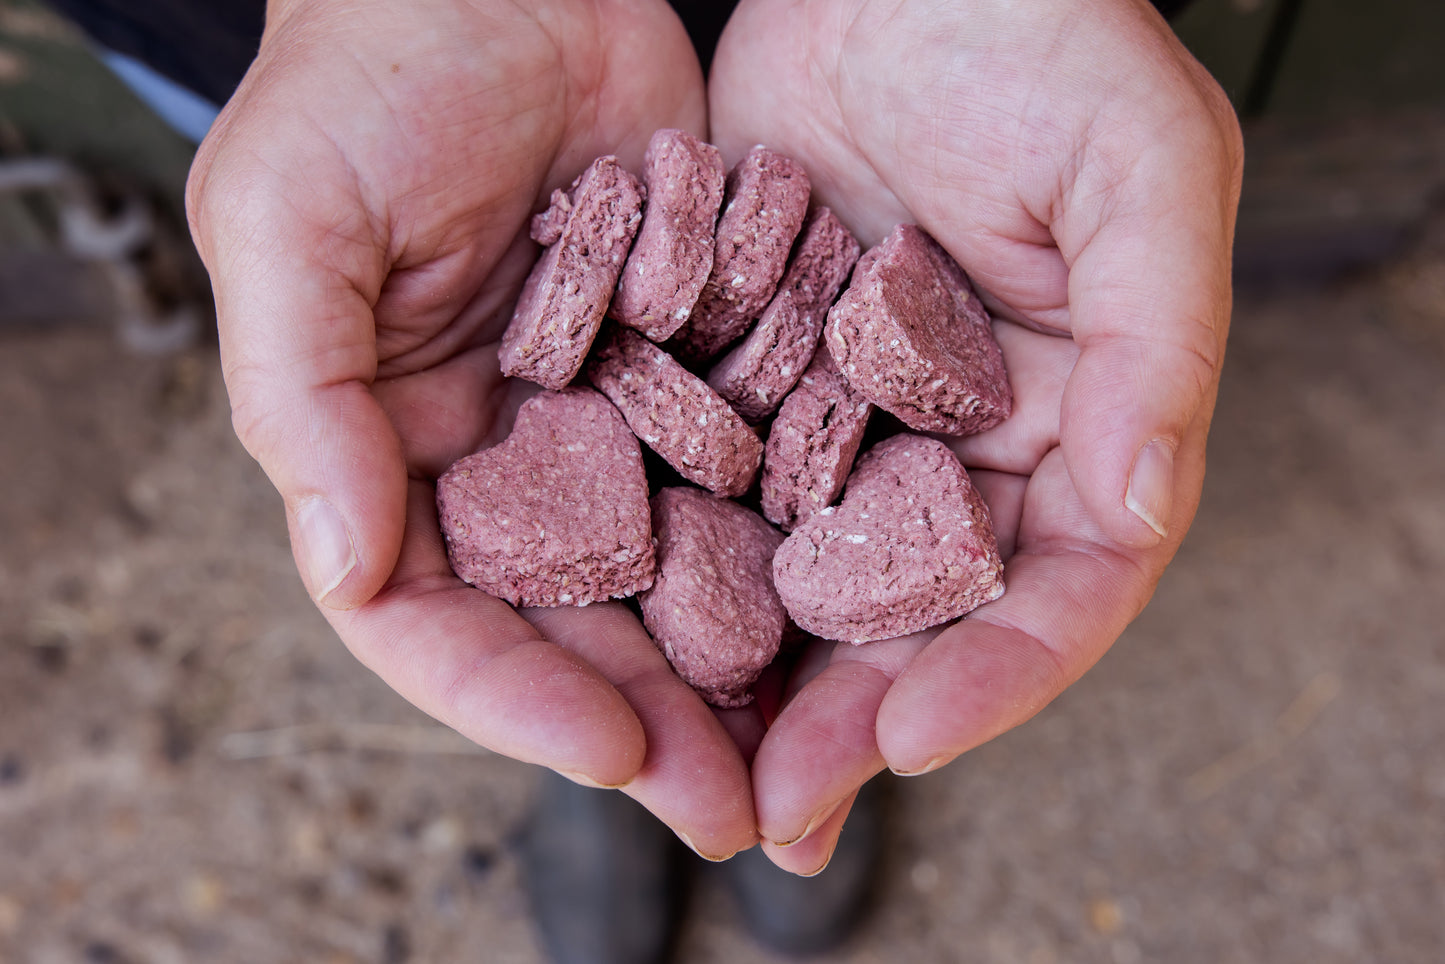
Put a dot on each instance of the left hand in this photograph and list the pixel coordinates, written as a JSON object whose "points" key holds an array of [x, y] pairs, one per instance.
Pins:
{"points": [[1084, 169]]}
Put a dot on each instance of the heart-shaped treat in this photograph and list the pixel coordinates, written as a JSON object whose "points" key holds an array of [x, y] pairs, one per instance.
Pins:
{"points": [[812, 444], [672, 256], [910, 546], [764, 204], [911, 335], [557, 514], [713, 610], [756, 375], [676, 413], [588, 231]]}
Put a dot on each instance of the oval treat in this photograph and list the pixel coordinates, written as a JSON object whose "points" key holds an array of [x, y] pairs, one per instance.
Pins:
{"points": [[712, 609], [557, 514], [672, 257], [588, 230], [812, 444], [763, 210], [911, 546], [676, 413], [756, 374], [911, 335]]}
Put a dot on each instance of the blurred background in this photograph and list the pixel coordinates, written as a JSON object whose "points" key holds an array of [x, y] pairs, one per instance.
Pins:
{"points": [[193, 769]]}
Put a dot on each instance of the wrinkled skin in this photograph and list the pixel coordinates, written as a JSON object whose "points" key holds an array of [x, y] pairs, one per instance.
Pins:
{"points": [[362, 205], [1085, 170]]}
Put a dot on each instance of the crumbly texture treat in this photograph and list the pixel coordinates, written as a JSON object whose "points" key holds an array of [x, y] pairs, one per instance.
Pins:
{"points": [[763, 210], [676, 413], [911, 546], [811, 447], [756, 374], [712, 609], [672, 258], [911, 335], [557, 514], [588, 230]]}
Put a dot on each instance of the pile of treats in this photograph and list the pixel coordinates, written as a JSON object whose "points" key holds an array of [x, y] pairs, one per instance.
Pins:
{"points": [[703, 309]]}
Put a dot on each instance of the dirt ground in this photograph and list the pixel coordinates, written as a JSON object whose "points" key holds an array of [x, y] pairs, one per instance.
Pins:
{"points": [[193, 769]]}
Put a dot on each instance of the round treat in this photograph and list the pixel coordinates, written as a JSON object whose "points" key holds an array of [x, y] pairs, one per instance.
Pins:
{"points": [[588, 231], [763, 209], [911, 335], [676, 413], [812, 444], [672, 258], [756, 374], [712, 608], [555, 515], [911, 546]]}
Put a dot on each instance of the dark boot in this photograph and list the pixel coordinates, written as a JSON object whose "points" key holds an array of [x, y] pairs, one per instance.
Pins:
{"points": [[604, 876], [803, 916]]}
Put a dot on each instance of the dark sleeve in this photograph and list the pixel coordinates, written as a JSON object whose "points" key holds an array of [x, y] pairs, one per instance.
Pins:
{"points": [[204, 45], [207, 46]]}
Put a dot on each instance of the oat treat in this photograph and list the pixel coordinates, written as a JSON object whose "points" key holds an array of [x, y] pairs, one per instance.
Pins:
{"points": [[588, 230], [675, 413], [557, 514], [812, 444], [756, 374], [911, 546], [911, 335], [672, 257], [712, 609], [763, 210]]}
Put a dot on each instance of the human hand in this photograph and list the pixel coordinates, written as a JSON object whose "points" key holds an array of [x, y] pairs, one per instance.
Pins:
{"points": [[1084, 170], [362, 207]]}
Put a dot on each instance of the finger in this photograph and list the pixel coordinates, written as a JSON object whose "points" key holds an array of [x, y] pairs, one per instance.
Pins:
{"points": [[811, 856], [293, 304], [1038, 369], [453, 409], [822, 747], [745, 725], [693, 777], [1069, 595], [1004, 494], [471, 662], [1149, 303]]}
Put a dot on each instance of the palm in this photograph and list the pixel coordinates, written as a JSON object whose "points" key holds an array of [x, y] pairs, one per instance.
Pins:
{"points": [[1006, 138], [423, 155]]}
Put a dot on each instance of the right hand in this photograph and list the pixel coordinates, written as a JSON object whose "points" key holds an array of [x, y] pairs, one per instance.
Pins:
{"points": [[361, 205]]}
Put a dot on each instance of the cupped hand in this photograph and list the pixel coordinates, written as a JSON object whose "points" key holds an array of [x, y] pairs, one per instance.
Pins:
{"points": [[362, 205], [1084, 170]]}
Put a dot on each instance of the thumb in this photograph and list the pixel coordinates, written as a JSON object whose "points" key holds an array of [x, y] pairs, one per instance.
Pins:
{"points": [[293, 307], [1149, 304]]}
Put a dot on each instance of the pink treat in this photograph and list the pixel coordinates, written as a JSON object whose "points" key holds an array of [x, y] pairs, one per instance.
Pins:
{"points": [[910, 547], [713, 609], [910, 334], [555, 515], [812, 444], [756, 374], [766, 201], [673, 255], [588, 231], [676, 413]]}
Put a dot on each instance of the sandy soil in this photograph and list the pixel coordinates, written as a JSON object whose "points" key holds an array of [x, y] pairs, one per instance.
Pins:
{"points": [[192, 768]]}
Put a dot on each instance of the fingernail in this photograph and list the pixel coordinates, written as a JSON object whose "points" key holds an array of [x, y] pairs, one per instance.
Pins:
{"points": [[826, 861], [326, 548], [693, 847], [1151, 486], [814, 822], [583, 779], [928, 767]]}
